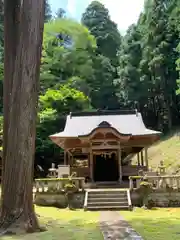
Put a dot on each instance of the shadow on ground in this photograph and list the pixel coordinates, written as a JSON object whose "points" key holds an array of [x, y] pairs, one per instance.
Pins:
{"points": [[67, 230]]}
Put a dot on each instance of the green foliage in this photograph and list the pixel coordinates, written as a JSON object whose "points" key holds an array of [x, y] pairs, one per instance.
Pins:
{"points": [[63, 101], [66, 66], [67, 49], [90, 66], [48, 123], [54, 105], [79, 34]]}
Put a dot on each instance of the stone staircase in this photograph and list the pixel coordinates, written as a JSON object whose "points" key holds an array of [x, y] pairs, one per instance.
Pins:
{"points": [[107, 199]]}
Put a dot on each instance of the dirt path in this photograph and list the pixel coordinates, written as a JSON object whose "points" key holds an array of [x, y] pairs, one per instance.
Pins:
{"points": [[114, 227]]}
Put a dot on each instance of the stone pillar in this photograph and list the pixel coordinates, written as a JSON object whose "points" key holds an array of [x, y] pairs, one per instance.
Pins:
{"points": [[120, 164], [146, 157]]}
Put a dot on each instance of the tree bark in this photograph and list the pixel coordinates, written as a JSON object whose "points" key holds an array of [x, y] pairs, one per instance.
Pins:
{"points": [[24, 21]]}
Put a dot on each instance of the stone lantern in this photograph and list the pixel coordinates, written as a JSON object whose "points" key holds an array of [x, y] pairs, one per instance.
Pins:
{"points": [[53, 171]]}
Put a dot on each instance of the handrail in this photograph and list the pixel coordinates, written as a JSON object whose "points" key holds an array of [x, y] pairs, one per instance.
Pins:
{"points": [[58, 179], [85, 200], [47, 184], [157, 177], [129, 199]]}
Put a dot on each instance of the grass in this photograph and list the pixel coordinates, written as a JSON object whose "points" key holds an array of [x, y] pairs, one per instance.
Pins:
{"points": [[167, 149], [158, 224], [64, 224]]}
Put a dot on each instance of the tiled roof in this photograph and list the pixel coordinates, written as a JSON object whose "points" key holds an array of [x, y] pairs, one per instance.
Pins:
{"points": [[125, 122]]}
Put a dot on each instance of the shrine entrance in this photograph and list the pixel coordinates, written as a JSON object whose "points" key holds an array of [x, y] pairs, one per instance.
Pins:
{"points": [[105, 167]]}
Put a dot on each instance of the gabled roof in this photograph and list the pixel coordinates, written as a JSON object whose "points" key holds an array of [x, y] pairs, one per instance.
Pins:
{"points": [[124, 122]]}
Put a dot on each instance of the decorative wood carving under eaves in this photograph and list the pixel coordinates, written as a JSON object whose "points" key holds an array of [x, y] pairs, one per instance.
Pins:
{"points": [[105, 154]]}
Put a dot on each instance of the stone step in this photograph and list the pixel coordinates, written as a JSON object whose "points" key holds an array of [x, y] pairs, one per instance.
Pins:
{"points": [[107, 207], [119, 190], [107, 199], [126, 185], [105, 204], [121, 199], [108, 193], [107, 196]]}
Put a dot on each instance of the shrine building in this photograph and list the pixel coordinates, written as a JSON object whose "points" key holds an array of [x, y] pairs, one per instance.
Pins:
{"points": [[100, 145]]}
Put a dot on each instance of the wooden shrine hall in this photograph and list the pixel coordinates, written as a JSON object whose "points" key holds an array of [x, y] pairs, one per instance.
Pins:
{"points": [[100, 145]]}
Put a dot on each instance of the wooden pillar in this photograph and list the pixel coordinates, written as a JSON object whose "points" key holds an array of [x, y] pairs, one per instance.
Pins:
{"points": [[142, 158], [120, 164], [68, 161], [65, 157], [91, 164], [146, 157], [68, 158], [138, 159]]}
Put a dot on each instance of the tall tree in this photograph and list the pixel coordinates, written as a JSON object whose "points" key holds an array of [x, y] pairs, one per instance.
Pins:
{"points": [[97, 19], [1, 52], [175, 20], [103, 92], [147, 64], [130, 55], [47, 12], [1, 28], [24, 21], [61, 13], [160, 54]]}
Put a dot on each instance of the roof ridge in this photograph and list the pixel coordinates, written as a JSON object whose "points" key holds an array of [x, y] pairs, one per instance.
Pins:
{"points": [[103, 112]]}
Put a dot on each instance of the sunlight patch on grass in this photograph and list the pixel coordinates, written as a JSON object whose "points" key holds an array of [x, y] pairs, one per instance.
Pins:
{"points": [[158, 224]]}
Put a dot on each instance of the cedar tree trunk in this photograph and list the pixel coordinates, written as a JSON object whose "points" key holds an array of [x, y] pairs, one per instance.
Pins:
{"points": [[24, 21]]}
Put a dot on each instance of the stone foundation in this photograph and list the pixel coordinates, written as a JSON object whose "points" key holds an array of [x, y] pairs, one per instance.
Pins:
{"points": [[58, 200], [158, 198]]}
